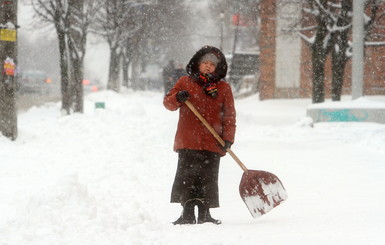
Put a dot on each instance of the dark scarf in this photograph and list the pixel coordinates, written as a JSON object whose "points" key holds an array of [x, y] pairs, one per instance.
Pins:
{"points": [[209, 84]]}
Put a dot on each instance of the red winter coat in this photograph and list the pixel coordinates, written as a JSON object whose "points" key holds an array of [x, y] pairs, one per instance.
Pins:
{"points": [[219, 113]]}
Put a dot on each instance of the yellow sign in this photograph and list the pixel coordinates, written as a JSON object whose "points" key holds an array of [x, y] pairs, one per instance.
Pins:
{"points": [[8, 35]]}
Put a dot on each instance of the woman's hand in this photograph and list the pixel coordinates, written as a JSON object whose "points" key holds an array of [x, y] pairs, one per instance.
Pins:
{"points": [[182, 96]]}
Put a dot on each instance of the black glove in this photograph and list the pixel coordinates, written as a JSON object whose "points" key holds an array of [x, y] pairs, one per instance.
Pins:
{"points": [[227, 145], [182, 96]]}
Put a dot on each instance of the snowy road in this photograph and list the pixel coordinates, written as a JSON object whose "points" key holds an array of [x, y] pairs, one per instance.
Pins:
{"points": [[26, 101]]}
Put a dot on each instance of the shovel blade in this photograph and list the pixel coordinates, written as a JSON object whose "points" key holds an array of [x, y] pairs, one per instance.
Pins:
{"points": [[261, 191]]}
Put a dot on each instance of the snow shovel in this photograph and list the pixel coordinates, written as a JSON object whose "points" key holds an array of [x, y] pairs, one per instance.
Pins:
{"points": [[261, 191]]}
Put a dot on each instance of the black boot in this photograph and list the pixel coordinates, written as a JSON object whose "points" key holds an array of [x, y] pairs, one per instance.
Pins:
{"points": [[204, 215], [188, 215]]}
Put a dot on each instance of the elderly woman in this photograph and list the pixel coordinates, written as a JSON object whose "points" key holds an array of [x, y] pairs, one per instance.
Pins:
{"points": [[196, 179]]}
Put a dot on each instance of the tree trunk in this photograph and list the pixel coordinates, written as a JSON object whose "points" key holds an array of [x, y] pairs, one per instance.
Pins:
{"points": [[76, 44], [339, 60], [64, 73], [318, 62], [339, 57], [126, 79], [78, 93], [113, 75], [125, 67], [320, 48], [8, 81], [136, 75], [318, 66], [338, 76]]}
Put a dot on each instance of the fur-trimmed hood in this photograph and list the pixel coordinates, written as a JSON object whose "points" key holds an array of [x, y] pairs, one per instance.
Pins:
{"points": [[192, 67]]}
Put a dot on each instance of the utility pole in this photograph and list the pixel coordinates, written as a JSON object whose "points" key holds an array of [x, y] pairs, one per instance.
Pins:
{"points": [[8, 59], [222, 16], [358, 49], [236, 30]]}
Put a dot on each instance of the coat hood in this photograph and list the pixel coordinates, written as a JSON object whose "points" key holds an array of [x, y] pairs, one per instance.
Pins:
{"points": [[192, 67]]}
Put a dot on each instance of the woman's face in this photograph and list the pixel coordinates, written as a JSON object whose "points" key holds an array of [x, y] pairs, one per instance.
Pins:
{"points": [[207, 67]]}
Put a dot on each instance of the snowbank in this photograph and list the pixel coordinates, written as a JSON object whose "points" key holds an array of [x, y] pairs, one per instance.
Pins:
{"points": [[104, 177]]}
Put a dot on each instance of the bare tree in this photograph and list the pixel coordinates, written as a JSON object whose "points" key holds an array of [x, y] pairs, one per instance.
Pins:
{"points": [[138, 32], [158, 36], [114, 22], [81, 15], [320, 43], [330, 26], [71, 19], [133, 40], [340, 39], [57, 12]]}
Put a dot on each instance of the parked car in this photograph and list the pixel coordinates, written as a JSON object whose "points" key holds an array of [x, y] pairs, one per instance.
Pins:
{"points": [[150, 77], [91, 87], [242, 67], [34, 82]]}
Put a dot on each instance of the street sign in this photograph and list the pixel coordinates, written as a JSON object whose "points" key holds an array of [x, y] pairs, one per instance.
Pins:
{"points": [[8, 35]]}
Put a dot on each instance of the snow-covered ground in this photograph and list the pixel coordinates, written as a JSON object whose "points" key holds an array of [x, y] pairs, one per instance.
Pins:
{"points": [[104, 177]]}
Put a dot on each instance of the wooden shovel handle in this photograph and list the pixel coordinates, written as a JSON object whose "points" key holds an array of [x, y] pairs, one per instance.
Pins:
{"points": [[214, 133]]}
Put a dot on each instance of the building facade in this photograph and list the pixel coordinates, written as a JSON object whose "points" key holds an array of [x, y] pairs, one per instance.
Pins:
{"points": [[285, 58]]}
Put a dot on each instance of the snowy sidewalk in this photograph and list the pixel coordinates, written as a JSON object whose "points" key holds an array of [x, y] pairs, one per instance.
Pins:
{"points": [[104, 177]]}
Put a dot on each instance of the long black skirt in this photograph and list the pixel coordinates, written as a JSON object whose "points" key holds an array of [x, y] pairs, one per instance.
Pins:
{"points": [[196, 178]]}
